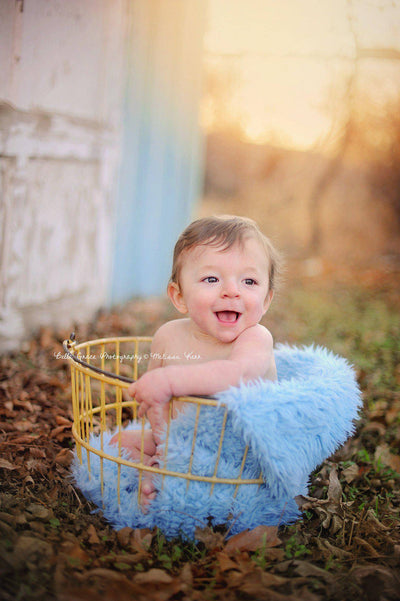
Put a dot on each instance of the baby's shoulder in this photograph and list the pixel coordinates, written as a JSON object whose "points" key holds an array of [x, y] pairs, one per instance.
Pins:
{"points": [[175, 327], [258, 332], [264, 332]]}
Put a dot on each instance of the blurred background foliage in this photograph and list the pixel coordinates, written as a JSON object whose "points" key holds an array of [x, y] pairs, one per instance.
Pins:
{"points": [[301, 116]]}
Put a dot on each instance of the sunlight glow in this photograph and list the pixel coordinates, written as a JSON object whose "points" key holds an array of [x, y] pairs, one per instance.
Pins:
{"points": [[290, 63]]}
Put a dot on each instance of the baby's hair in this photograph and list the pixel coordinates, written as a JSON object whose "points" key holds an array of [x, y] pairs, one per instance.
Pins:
{"points": [[224, 231]]}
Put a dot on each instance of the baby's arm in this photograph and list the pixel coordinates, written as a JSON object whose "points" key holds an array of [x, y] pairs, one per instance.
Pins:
{"points": [[157, 413], [250, 358]]}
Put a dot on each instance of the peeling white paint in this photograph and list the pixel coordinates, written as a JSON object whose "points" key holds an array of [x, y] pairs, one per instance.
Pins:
{"points": [[64, 71], [61, 92]]}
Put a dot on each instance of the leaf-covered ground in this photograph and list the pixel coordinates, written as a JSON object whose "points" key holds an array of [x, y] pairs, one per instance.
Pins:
{"points": [[347, 546]]}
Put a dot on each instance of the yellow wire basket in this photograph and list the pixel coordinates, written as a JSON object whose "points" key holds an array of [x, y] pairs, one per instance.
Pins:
{"points": [[101, 371]]}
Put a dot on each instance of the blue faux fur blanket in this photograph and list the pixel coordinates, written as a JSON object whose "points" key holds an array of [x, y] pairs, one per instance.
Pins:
{"points": [[291, 426]]}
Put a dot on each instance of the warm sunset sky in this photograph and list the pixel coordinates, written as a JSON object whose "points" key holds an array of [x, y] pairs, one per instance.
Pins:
{"points": [[293, 58]]}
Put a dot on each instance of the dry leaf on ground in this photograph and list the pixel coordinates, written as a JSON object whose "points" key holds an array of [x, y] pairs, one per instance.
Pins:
{"points": [[261, 537]]}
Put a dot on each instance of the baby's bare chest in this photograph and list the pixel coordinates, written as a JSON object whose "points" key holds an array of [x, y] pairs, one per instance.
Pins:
{"points": [[186, 350]]}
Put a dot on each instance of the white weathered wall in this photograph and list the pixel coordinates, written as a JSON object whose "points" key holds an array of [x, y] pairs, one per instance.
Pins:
{"points": [[61, 93]]}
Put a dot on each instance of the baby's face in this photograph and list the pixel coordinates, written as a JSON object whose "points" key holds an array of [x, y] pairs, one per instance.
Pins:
{"points": [[225, 291]]}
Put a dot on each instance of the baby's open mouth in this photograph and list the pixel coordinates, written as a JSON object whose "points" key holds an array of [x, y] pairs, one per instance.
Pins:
{"points": [[228, 316]]}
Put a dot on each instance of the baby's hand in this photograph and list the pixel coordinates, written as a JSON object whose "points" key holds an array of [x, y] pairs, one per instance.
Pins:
{"points": [[152, 390]]}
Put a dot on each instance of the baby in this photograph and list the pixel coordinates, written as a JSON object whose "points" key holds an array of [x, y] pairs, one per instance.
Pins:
{"points": [[223, 278]]}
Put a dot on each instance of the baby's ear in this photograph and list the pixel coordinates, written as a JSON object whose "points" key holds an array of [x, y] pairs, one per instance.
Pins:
{"points": [[268, 300], [176, 296]]}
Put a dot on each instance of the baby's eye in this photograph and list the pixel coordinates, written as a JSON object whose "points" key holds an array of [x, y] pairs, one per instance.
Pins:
{"points": [[211, 279], [250, 282]]}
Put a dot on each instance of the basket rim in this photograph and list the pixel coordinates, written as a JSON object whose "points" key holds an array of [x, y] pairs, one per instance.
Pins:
{"points": [[70, 345]]}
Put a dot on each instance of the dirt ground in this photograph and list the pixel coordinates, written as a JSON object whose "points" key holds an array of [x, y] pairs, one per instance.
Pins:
{"points": [[347, 546]]}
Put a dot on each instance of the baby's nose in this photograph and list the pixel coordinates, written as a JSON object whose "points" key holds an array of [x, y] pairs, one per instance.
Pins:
{"points": [[230, 288]]}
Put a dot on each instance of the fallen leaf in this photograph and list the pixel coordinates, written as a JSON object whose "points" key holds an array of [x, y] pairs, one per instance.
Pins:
{"points": [[37, 452], [124, 536], [211, 540], [304, 502], [60, 429], [186, 576], [330, 512], [102, 573], [371, 517], [383, 455], [334, 488], [375, 426], [380, 582], [31, 549], [225, 562], [351, 473], [303, 594], [23, 426], [153, 576], [261, 537], [6, 465], [366, 546], [260, 581], [235, 579], [130, 559], [62, 421], [309, 570], [141, 540], [24, 404], [39, 512], [27, 439], [328, 550], [392, 414], [93, 539], [126, 591], [75, 553], [274, 554], [7, 427], [64, 457], [35, 465]]}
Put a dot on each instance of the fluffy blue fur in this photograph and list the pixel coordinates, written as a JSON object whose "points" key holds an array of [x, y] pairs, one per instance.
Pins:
{"points": [[291, 426]]}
